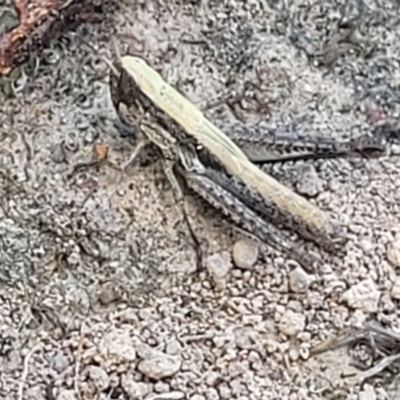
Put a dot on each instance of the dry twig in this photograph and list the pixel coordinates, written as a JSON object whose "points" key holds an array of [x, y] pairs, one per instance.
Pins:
{"points": [[381, 343]]}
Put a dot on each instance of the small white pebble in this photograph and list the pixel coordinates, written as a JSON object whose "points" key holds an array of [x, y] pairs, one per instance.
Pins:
{"points": [[212, 394], [298, 280], [99, 377], [66, 395], [271, 345], [309, 183], [160, 366], [218, 266], [395, 292], [245, 253], [292, 323], [304, 353], [167, 396], [364, 296], [212, 378], [224, 392], [393, 252], [368, 393], [173, 347], [109, 292], [161, 387], [59, 362], [293, 354], [135, 390]]}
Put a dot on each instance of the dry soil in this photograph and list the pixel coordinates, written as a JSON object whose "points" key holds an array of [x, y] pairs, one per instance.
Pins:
{"points": [[98, 299]]}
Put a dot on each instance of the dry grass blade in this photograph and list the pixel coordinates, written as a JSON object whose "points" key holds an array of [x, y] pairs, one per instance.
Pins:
{"points": [[192, 120], [382, 345], [384, 363], [342, 339]]}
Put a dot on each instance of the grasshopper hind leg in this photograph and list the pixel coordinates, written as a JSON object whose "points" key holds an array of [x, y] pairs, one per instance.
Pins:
{"points": [[198, 179]]}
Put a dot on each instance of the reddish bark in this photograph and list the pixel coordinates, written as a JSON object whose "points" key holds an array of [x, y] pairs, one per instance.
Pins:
{"points": [[41, 22]]}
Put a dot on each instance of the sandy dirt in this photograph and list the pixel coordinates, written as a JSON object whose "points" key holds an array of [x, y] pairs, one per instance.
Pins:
{"points": [[98, 296]]}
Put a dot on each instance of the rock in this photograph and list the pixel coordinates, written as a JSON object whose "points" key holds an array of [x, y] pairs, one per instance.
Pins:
{"points": [[162, 387], [247, 338], [59, 362], [212, 394], [175, 395], [116, 347], [213, 378], [294, 354], [109, 293], [386, 302], [218, 266], [33, 393], [99, 377], [299, 280], [395, 292], [292, 323], [135, 390], [363, 296], [173, 347], [368, 393], [309, 184], [271, 346], [245, 253], [66, 395], [224, 392], [393, 252], [160, 365], [58, 154], [304, 353]]}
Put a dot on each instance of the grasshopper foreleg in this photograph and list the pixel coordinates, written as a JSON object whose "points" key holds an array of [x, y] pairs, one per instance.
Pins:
{"points": [[169, 166]]}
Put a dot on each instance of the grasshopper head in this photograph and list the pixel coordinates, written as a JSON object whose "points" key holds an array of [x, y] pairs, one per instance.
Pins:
{"points": [[123, 91]]}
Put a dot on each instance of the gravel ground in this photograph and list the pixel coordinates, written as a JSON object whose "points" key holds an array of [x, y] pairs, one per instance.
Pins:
{"points": [[98, 295]]}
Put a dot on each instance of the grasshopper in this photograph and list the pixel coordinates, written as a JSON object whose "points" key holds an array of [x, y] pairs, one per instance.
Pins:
{"points": [[213, 165]]}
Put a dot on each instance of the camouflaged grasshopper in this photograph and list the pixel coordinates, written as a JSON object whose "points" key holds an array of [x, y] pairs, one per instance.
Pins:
{"points": [[212, 164]]}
